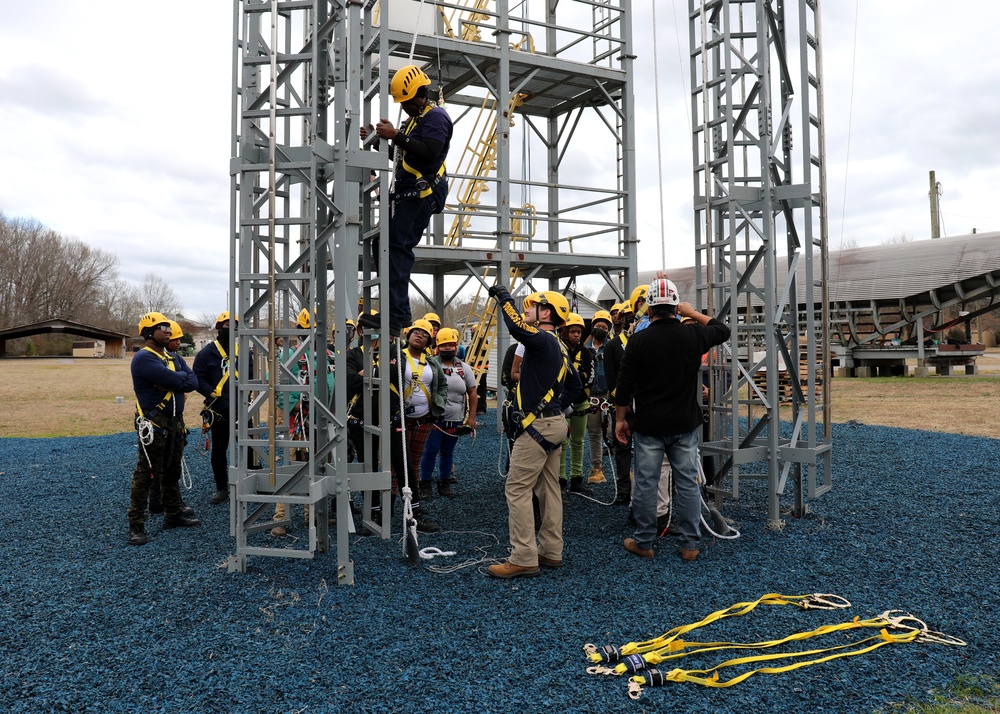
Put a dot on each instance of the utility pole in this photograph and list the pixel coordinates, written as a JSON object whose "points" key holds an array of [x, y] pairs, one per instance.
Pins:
{"points": [[935, 215]]}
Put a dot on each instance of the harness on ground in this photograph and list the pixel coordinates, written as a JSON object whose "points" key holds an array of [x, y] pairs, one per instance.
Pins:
{"points": [[637, 658]]}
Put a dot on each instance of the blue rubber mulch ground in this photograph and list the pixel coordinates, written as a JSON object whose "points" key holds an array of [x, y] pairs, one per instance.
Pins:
{"points": [[88, 623]]}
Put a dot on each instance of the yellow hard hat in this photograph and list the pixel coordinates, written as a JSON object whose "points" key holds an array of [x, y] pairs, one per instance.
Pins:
{"points": [[152, 319], [304, 320], [406, 82], [432, 318], [638, 293], [574, 319], [602, 315], [420, 324], [617, 307], [550, 297], [223, 316], [447, 336], [175, 330]]}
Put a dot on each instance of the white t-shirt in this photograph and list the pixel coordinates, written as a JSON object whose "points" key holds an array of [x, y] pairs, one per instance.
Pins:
{"points": [[417, 404], [460, 380]]}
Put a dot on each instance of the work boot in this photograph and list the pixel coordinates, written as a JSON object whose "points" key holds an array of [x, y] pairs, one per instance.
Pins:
{"points": [[425, 490], [279, 532], [445, 489], [690, 553], [564, 485], [424, 523], [186, 510], [137, 534], [576, 485], [632, 547], [221, 496], [624, 495], [596, 475], [179, 521], [507, 570]]}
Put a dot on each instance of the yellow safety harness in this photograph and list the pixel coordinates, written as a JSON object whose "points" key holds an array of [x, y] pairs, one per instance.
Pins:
{"points": [[417, 377], [530, 417], [169, 364], [636, 658], [217, 392], [410, 126]]}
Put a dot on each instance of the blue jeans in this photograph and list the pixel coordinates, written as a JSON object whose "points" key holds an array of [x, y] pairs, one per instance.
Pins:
{"points": [[682, 452], [439, 442]]}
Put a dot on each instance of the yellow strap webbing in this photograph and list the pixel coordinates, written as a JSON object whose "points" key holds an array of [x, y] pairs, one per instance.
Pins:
{"points": [[560, 377], [410, 125], [419, 377], [166, 398], [217, 392]]}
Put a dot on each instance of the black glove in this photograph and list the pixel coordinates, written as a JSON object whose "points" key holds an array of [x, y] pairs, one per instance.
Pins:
{"points": [[498, 291]]}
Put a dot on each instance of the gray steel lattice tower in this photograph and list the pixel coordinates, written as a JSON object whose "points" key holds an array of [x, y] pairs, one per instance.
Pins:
{"points": [[756, 81], [307, 200]]}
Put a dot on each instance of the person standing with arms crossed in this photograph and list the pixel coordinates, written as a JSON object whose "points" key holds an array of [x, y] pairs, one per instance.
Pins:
{"points": [[548, 386], [159, 398], [660, 385]]}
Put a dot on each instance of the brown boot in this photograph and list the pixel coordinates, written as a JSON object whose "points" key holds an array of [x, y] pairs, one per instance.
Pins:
{"points": [[507, 569], [632, 547], [690, 554]]}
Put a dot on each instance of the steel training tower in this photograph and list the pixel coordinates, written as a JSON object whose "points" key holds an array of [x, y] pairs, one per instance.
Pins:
{"points": [[760, 210], [526, 87]]}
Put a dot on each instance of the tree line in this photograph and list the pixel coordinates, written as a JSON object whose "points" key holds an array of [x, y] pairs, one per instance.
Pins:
{"points": [[45, 275]]}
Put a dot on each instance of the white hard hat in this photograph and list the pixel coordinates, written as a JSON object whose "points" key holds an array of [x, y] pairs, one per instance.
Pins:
{"points": [[662, 292]]}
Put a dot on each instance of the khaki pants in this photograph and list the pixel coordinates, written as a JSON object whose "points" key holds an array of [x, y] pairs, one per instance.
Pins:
{"points": [[534, 471]]}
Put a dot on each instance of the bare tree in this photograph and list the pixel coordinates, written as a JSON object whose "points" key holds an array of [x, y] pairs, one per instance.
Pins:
{"points": [[155, 294], [849, 243], [898, 238]]}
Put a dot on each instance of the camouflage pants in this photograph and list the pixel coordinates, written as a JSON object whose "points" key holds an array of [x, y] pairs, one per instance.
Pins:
{"points": [[160, 459]]}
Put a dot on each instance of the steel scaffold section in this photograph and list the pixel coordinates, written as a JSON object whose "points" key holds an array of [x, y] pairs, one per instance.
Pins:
{"points": [[757, 85], [568, 77], [298, 171]]}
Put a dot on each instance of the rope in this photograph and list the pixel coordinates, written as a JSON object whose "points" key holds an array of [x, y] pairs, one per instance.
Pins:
{"points": [[409, 521], [186, 474]]}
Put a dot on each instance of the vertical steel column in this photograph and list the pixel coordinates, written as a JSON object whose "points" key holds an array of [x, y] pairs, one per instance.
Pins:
{"points": [[745, 193]]}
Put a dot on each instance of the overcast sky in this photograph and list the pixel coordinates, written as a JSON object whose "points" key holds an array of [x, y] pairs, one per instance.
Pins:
{"points": [[115, 127]]}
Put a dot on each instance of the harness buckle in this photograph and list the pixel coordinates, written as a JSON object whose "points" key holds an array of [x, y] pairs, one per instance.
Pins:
{"points": [[826, 601]]}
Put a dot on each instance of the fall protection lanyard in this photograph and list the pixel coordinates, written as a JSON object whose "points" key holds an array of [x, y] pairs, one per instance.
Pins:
{"points": [[560, 378], [636, 657], [416, 377], [169, 364], [217, 392], [410, 126]]}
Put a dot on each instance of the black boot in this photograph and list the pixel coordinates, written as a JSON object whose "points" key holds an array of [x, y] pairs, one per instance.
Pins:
{"points": [[186, 510], [221, 496], [424, 523], [445, 488], [179, 521], [425, 490], [576, 485], [137, 534]]}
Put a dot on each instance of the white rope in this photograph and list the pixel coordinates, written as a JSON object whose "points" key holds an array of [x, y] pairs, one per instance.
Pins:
{"points": [[186, 474], [409, 521]]}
